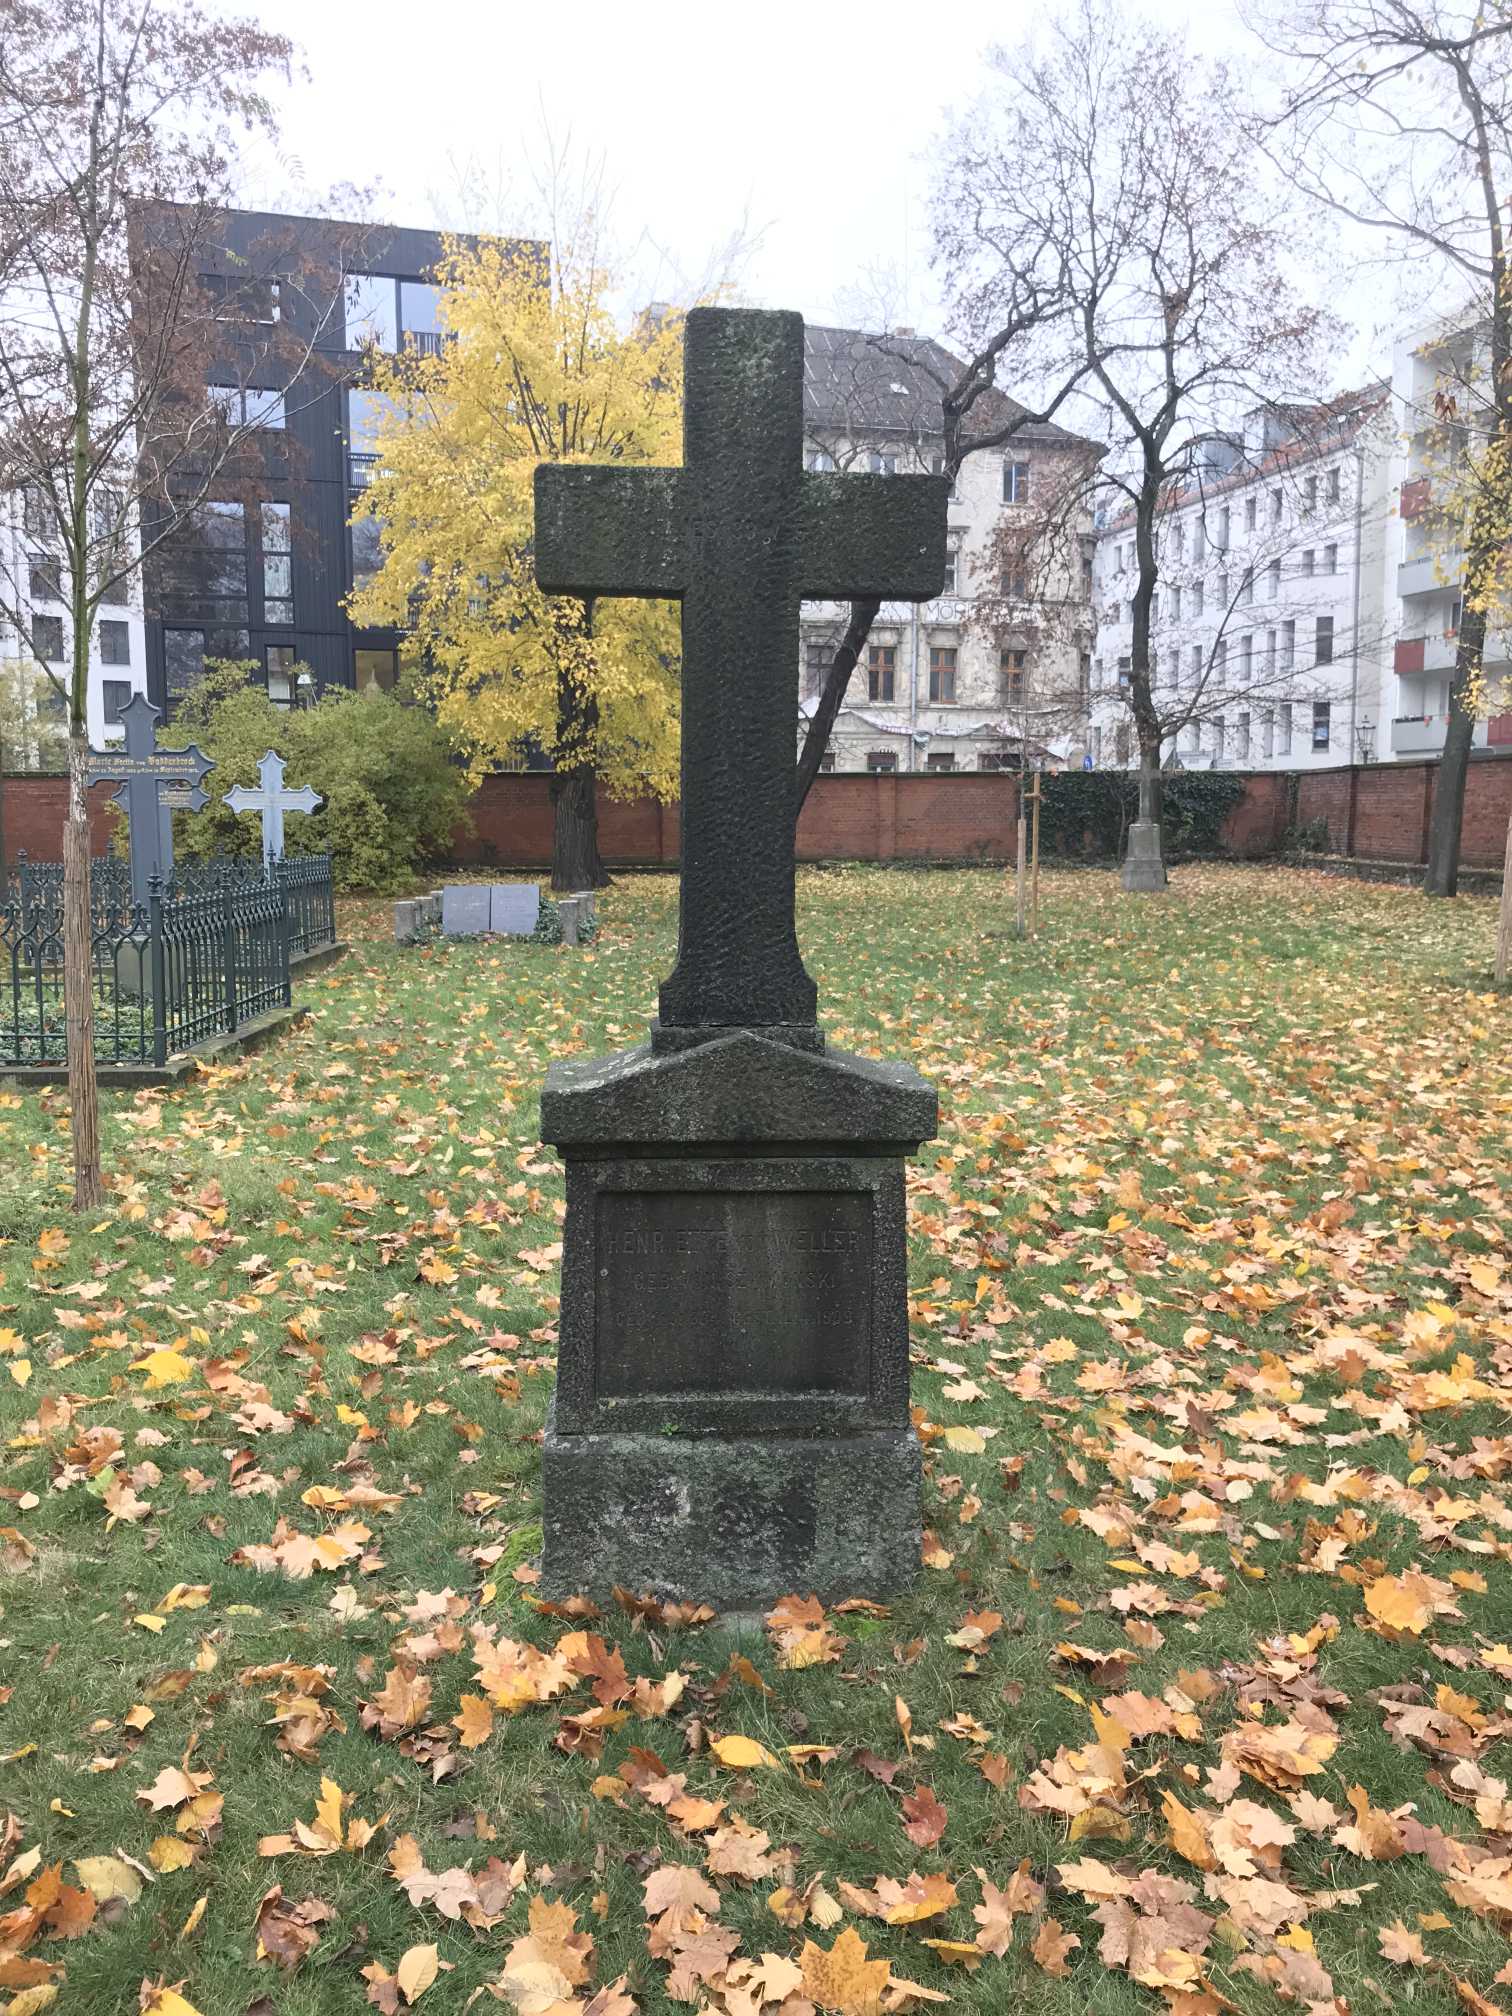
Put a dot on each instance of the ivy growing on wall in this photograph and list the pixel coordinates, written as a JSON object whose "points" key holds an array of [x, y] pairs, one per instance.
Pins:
{"points": [[1089, 811]]}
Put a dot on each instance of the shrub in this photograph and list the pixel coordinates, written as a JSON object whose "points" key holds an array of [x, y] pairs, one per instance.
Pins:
{"points": [[393, 795], [1089, 811]]}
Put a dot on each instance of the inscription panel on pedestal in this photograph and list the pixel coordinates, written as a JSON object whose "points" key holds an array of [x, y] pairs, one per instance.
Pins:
{"points": [[732, 1291]]}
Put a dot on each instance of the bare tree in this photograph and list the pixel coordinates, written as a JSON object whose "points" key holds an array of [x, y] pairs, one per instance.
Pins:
{"points": [[973, 417], [122, 367], [1397, 116], [1110, 166]]}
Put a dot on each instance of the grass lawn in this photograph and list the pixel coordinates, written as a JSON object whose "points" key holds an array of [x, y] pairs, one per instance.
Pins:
{"points": [[1202, 1699]]}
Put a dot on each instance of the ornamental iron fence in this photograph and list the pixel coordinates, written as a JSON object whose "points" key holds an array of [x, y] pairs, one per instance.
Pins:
{"points": [[208, 953]]}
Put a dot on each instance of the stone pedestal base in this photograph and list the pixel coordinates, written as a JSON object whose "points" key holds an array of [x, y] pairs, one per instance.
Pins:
{"points": [[1143, 869], [736, 1521], [731, 1421]]}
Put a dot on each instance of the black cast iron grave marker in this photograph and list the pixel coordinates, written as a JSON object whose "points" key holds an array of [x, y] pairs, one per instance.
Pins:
{"points": [[145, 774], [731, 1414]]}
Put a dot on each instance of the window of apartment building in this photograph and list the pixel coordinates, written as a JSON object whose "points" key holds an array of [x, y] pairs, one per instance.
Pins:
{"points": [[881, 759], [1016, 581], [1330, 559], [108, 507], [1012, 664], [1220, 658], [37, 520], [942, 673], [1178, 541], [1242, 739], [1084, 680], [881, 464], [1308, 562], [381, 310], [1324, 641], [1286, 728], [1322, 711], [1097, 742], [940, 760], [237, 297], [1273, 581], [1197, 596], [1125, 667], [1251, 513], [1086, 574], [1198, 538], [1222, 540], [1015, 482], [1288, 645], [115, 694], [819, 462], [1219, 735], [47, 639], [1196, 663], [827, 760], [279, 663], [203, 568], [881, 671], [376, 670], [1247, 656], [1310, 493], [1331, 486], [185, 650], [1270, 654], [248, 405], [998, 760], [1277, 506], [937, 468], [1191, 739], [1223, 589], [1175, 602], [951, 558], [818, 656], [367, 550], [115, 642], [1267, 732], [44, 579], [277, 564]]}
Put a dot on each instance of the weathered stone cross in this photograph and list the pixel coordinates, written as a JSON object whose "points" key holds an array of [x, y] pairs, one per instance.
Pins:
{"points": [[271, 800], [149, 776], [739, 534]]}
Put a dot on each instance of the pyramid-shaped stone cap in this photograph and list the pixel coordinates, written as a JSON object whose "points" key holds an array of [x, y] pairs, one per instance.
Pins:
{"points": [[733, 1089]]}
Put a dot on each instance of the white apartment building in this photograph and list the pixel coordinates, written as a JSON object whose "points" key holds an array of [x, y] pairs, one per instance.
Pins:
{"points": [[1270, 633], [34, 585], [940, 687], [1422, 565]]}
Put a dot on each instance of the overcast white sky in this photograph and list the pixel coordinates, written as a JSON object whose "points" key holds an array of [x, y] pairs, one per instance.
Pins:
{"points": [[812, 120]]}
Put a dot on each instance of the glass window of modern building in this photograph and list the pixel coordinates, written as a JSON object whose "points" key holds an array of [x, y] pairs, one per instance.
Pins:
{"points": [[371, 312]]}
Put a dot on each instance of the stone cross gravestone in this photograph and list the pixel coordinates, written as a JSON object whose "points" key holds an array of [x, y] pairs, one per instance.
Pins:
{"points": [[271, 801], [731, 1414], [145, 773]]}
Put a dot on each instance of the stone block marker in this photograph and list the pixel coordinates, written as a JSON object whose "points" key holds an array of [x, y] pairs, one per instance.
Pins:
{"points": [[514, 908], [731, 1414], [416, 917], [465, 909]]}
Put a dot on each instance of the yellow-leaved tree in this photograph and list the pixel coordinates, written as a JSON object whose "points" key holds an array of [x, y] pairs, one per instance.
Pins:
{"points": [[532, 367]]}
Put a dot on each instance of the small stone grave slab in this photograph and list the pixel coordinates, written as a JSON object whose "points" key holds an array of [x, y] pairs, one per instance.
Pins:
{"points": [[465, 909], [514, 908]]}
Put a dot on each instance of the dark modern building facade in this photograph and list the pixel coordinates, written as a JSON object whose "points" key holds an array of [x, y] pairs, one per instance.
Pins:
{"points": [[264, 572]]}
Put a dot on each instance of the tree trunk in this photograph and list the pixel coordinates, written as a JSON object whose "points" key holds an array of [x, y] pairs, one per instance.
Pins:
{"points": [[844, 662], [1441, 878], [575, 862], [78, 986]]}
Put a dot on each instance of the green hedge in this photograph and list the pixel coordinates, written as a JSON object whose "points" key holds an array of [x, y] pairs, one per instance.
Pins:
{"points": [[1089, 811]]}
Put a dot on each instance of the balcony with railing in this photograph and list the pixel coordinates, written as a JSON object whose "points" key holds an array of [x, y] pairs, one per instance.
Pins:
{"points": [[1423, 734]]}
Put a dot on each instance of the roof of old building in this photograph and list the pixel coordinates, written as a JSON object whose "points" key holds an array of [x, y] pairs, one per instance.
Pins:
{"points": [[893, 385]]}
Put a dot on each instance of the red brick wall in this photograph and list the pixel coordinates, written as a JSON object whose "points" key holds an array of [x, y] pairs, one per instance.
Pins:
{"points": [[896, 818], [32, 812]]}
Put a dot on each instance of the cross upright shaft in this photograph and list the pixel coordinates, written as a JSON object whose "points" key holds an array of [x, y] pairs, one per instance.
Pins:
{"points": [[740, 534]]}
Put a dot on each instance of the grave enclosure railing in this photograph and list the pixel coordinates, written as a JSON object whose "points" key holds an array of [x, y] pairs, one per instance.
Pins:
{"points": [[207, 954]]}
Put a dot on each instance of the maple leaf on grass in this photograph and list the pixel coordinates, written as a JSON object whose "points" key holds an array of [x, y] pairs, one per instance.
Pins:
{"points": [[1051, 1947], [288, 1931], [924, 1817], [843, 1979]]}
